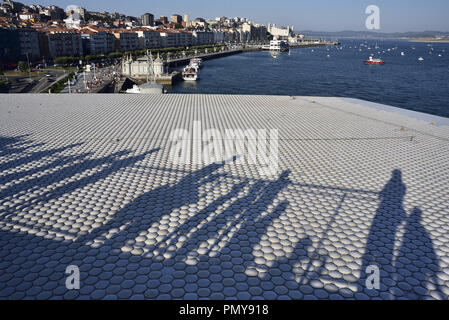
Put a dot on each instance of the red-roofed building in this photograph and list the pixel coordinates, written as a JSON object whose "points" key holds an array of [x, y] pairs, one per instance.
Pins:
{"points": [[126, 40]]}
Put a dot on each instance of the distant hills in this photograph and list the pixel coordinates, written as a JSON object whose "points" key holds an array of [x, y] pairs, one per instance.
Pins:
{"points": [[376, 35]]}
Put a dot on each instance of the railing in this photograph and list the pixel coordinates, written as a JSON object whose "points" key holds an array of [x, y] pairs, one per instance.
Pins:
{"points": [[203, 54]]}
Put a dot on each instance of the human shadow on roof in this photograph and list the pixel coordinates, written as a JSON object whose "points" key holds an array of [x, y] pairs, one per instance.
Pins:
{"points": [[38, 156], [416, 258], [417, 262], [242, 218], [379, 249], [61, 176], [10, 146], [155, 204]]}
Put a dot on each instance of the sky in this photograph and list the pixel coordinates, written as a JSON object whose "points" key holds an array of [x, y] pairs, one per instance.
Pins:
{"points": [[316, 15]]}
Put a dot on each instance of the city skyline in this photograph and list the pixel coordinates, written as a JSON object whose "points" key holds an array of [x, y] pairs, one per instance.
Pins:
{"points": [[324, 15]]}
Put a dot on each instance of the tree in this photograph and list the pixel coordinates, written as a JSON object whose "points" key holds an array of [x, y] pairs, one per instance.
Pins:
{"points": [[115, 55], [22, 66]]}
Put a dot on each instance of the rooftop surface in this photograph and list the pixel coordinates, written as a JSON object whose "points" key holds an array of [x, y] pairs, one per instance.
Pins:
{"points": [[87, 180]]}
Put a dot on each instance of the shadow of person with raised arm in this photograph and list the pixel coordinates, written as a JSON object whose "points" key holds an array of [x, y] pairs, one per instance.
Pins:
{"points": [[380, 244], [244, 214], [150, 207], [417, 256], [184, 229]]}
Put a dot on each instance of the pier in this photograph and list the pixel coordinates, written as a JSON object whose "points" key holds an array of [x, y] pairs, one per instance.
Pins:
{"points": [[204, 56]]}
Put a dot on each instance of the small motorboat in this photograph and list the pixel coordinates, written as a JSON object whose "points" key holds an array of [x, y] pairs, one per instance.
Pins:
{"points": [[420, 59], [372, 60]]}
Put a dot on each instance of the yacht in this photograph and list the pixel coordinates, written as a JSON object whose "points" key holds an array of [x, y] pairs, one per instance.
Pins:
{"points": [[190, 73], [196, 62]]}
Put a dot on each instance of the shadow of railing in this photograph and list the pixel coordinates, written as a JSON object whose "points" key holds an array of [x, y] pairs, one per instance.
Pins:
{"points": [[215, 244]]}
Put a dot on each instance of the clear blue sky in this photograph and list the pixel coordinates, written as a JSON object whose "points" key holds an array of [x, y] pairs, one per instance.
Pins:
{"points": [[318, 15]]}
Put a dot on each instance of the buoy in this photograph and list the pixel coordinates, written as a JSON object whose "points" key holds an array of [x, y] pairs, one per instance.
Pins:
{"points": [[116, 139], [432, 123]]}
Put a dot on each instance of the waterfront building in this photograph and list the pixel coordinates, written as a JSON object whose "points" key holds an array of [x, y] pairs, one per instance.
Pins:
{"points": [[145, 67], [168, 38], [147, 19], [148, 38], [175, 38], [186, 38], [29, 44], [281, 33], [62, 42], [219, 36], [126, 40], [97, 42], [9, 44], [202, 37]]}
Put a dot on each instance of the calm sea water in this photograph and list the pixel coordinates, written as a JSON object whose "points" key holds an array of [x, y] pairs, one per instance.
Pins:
{"points": [[338, 71]]}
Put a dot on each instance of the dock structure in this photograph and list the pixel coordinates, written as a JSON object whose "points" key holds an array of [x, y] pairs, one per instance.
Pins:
{"points": [[204, 56], [89, 181]]}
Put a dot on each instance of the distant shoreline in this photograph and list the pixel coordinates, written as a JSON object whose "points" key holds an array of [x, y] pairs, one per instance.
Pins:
{"points": [[430, 40]]}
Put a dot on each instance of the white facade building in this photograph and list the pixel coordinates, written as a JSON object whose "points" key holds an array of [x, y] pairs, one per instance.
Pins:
{"points": [[98, 42], [149, 39], [203, 37], [280, 33]]}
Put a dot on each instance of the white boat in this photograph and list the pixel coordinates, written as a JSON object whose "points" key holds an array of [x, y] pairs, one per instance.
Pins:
{"points": [[420, 59], [402, 54], [196, 62], [147, 88], [190, 74]]}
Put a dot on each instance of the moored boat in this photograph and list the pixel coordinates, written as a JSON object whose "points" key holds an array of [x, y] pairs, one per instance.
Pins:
{"points": [[190, 73], [372, 60]]}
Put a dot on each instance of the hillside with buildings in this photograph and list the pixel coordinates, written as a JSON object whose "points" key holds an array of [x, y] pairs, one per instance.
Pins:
{"points": [[39, 33]]}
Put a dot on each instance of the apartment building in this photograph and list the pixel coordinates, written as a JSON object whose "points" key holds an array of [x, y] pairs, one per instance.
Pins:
{"points": [[64, 43], [100, 42], [126, 40], [176, 18], [9, 44], [148, 39], [201, 37], [29, 44], [147, 19]]}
